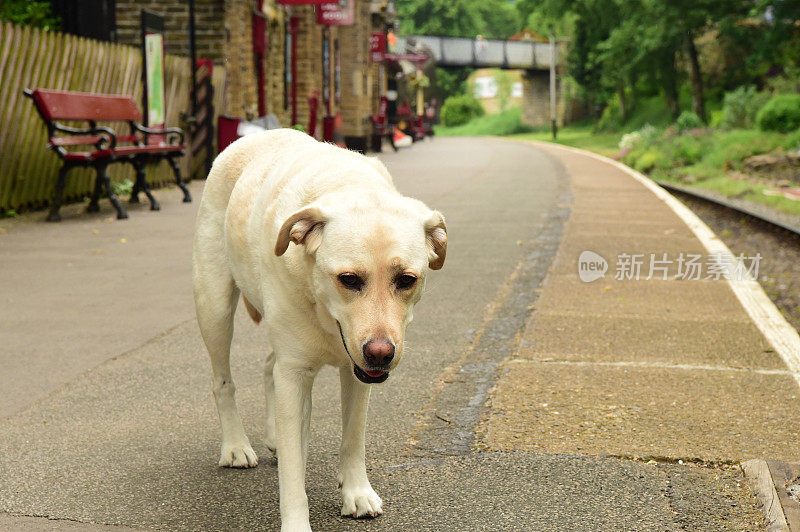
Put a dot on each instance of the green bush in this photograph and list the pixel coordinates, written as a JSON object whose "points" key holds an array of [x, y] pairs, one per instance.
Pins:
{"points": [[650, 160], [739, 107], [458, 110], [781, 113], [687, 149], [611, 117], [792, 140], [688, 120], [716, 118]]}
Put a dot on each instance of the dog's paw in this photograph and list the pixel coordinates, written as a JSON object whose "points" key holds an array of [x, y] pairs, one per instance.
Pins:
{"points": [[297, 525], [361, 501], [237, 455]]}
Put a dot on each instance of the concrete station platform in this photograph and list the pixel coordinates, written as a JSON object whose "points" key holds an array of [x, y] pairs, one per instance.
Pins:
{"points": [[668, 369], [529, 399]]}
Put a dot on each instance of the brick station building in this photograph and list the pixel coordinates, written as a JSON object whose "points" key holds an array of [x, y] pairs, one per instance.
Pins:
{"points": [[288, 58]]}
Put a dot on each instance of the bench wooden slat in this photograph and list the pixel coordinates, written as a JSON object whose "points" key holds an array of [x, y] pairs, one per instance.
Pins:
{"points": [[74, 141], [67, 105]]}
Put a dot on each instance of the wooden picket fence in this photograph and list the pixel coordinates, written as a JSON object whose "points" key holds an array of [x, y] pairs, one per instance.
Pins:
{"points": [[33, 58]]}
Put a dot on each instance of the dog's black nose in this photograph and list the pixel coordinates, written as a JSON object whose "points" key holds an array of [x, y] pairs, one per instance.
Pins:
{"points": [[379, 352]]}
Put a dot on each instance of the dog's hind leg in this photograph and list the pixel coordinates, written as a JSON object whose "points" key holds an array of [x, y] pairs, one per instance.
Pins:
{"points": [[358, 497], [269, 393], [216, 298]]}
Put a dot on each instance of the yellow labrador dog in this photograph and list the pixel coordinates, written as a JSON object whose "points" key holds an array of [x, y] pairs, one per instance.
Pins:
{"points": [[323, 248]]}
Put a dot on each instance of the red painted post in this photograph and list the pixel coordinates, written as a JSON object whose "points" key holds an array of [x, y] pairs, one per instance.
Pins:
{"points": [[294, 22]]}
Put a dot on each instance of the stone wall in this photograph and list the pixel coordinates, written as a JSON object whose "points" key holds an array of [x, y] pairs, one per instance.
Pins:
{"points": [[536, 97], [276, 96], [209, 25], [309, 62], [224, 34], [358, 73], [241, 91]]}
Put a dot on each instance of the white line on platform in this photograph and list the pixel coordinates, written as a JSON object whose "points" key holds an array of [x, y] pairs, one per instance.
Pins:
{"points": [[762, 310], [656, 365]]}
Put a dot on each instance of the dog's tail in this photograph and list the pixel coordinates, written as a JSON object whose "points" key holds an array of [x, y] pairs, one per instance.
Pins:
{"points": [[255, 314]]}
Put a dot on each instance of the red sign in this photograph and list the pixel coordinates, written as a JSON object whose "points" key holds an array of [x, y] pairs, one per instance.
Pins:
{"points": [[303, 2], [414, 58], [341, 13], [377, 46]]}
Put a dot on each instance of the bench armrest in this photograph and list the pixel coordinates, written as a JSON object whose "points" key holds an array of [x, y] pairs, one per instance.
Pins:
{"points": [[107, 137], [167, 132]]}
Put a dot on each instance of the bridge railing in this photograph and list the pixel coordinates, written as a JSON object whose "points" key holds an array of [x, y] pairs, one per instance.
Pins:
{"points": [[456, 51]]}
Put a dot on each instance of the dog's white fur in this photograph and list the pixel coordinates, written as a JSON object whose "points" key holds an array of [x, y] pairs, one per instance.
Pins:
{"points": [[282, 216]]}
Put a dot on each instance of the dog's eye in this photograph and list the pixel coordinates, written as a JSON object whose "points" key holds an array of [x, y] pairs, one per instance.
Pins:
{"points": [[351, 281], [405, 281]]}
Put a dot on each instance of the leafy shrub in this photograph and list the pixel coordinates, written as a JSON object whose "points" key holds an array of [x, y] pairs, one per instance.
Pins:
{"points": [[688, 120], [646, 134], [739, 107], [781, 113], [687, 149], [786, 83], [123, 188], [717, 117], [792, 141], [611, 117], [629, 140], [649, 160], [458, 110]]}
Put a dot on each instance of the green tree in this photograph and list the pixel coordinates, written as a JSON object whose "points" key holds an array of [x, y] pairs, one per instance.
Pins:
{"points": [[446, 18], [28, 12], [504, 82], [494, 19]]}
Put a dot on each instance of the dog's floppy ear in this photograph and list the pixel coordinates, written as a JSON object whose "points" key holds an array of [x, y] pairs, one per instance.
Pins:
{"points": [[302, 227], [436, 236]]}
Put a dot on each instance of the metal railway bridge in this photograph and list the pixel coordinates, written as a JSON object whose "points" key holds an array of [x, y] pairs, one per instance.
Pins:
{"points": [[534, 58], [483, 53]]}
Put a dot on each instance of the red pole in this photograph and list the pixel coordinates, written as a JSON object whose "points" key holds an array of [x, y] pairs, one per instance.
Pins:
{"points": [[293, 24]]}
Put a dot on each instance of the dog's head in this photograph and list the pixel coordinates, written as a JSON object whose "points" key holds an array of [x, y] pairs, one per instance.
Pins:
{"points": [[369, 255]]}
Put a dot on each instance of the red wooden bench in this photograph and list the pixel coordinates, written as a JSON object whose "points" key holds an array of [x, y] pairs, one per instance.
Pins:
{"points": [[102, 145]]}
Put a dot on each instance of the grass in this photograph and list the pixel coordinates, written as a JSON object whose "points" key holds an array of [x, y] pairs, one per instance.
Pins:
{"points": [[509, 123], [700, 159], [704, 159], [505, 123], [578, 136]]}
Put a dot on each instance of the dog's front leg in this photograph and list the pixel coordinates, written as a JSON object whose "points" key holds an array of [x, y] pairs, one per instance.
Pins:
{"points": [[359, 499], [292, 414]]}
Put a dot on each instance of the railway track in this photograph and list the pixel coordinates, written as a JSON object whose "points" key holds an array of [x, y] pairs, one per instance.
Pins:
{"points": [[775, 236], [731, 206]]}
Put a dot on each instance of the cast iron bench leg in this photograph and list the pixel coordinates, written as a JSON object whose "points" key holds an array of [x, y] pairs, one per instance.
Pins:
{"points": [[187, 198], [141, 185], [101, 172], [94, 205], [58, 194], [136, 188]]}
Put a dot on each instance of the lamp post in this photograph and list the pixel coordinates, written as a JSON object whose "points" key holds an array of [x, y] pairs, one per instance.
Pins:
{"points": [[553, 61]]}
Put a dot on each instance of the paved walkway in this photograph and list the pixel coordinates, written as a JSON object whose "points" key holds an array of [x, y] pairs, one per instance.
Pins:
{"points": [[114, 424]]}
